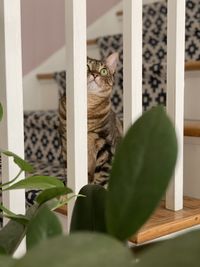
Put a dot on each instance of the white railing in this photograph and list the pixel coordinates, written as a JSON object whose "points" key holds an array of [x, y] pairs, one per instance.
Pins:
{"points": [[12, 133], [175, 92], [11, 88], [11, 96], [132, 61], [76, 95]]}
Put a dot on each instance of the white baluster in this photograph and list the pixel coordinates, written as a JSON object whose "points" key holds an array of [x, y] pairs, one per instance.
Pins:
{"points": [[175, 93], [76, 96], [132, 43], [11, 96]]}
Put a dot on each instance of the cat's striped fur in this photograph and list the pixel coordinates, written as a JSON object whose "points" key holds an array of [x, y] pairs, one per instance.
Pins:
{"points": [[104, 128]]}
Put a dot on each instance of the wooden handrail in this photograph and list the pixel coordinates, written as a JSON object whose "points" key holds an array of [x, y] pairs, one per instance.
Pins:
{"points": [[45, 76], [92, 42], [119, 13], [192, 65], [189, 66], [192, 128]]}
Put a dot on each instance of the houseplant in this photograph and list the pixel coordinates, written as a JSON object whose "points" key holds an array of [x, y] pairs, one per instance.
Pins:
{"points": [[141, 171]]}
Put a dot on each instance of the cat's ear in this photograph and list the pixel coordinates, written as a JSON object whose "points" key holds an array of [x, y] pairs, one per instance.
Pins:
{"points": [[111, 62]]}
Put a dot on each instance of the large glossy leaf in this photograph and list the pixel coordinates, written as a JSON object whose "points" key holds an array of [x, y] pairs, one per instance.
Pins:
{"points": [[1, 112], [7, 261], [51, 193], [23, 165], [37, 182], [12, 234], [182, 251], [83, 249], [89, 211], [142, 168], [44, 225]]}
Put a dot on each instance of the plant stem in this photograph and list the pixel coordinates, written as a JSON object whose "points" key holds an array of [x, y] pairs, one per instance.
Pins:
{"points": [[12, 181]]}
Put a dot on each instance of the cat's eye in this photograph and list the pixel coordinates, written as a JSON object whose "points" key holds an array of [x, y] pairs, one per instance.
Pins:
{"points": [[104, 72], [88, 68]]}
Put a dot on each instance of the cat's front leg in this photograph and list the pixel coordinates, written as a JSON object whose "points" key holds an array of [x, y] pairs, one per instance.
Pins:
{"points": [[91, 156]]}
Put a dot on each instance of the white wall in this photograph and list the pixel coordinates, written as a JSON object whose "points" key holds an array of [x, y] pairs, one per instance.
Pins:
{"points": [[43, 95], [192, 167], [192, 95], [192, 144]]}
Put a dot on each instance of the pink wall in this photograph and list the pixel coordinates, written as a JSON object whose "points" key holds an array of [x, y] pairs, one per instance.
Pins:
{"points": [[43, 27]]}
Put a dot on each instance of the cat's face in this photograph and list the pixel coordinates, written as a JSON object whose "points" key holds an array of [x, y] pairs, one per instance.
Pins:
{"points": [[100, 74]]}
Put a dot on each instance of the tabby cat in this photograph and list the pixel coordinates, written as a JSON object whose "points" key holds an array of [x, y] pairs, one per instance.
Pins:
{"points": [[104, 128]]}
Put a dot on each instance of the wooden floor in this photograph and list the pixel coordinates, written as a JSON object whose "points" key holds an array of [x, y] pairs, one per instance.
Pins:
{"points": [[164, 222]]}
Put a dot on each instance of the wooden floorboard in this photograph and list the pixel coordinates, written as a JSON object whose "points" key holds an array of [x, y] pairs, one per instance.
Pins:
{"points": [[164, 222]]}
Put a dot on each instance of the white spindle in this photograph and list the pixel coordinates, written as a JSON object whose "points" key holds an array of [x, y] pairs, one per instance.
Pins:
{"points": [[132, 43], [76, 96], [11, 96], [175, 92]]}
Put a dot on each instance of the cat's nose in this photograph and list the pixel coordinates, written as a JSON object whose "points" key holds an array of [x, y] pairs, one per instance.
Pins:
{"points": [[95, 75]]}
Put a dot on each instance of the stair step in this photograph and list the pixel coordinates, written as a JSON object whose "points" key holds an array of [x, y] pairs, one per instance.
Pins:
{"points": [[164, 222]]}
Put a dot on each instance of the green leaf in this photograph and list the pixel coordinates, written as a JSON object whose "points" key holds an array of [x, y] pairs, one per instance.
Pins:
{"points": [[56, 204], [37, 182], [82, 249], [23, 165], [6, 261], [1, 112], [11, 181], [142, 168], [44, 225], [51, 193], [181, 251], [89, 212], [12, 234], [18, 218]]}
